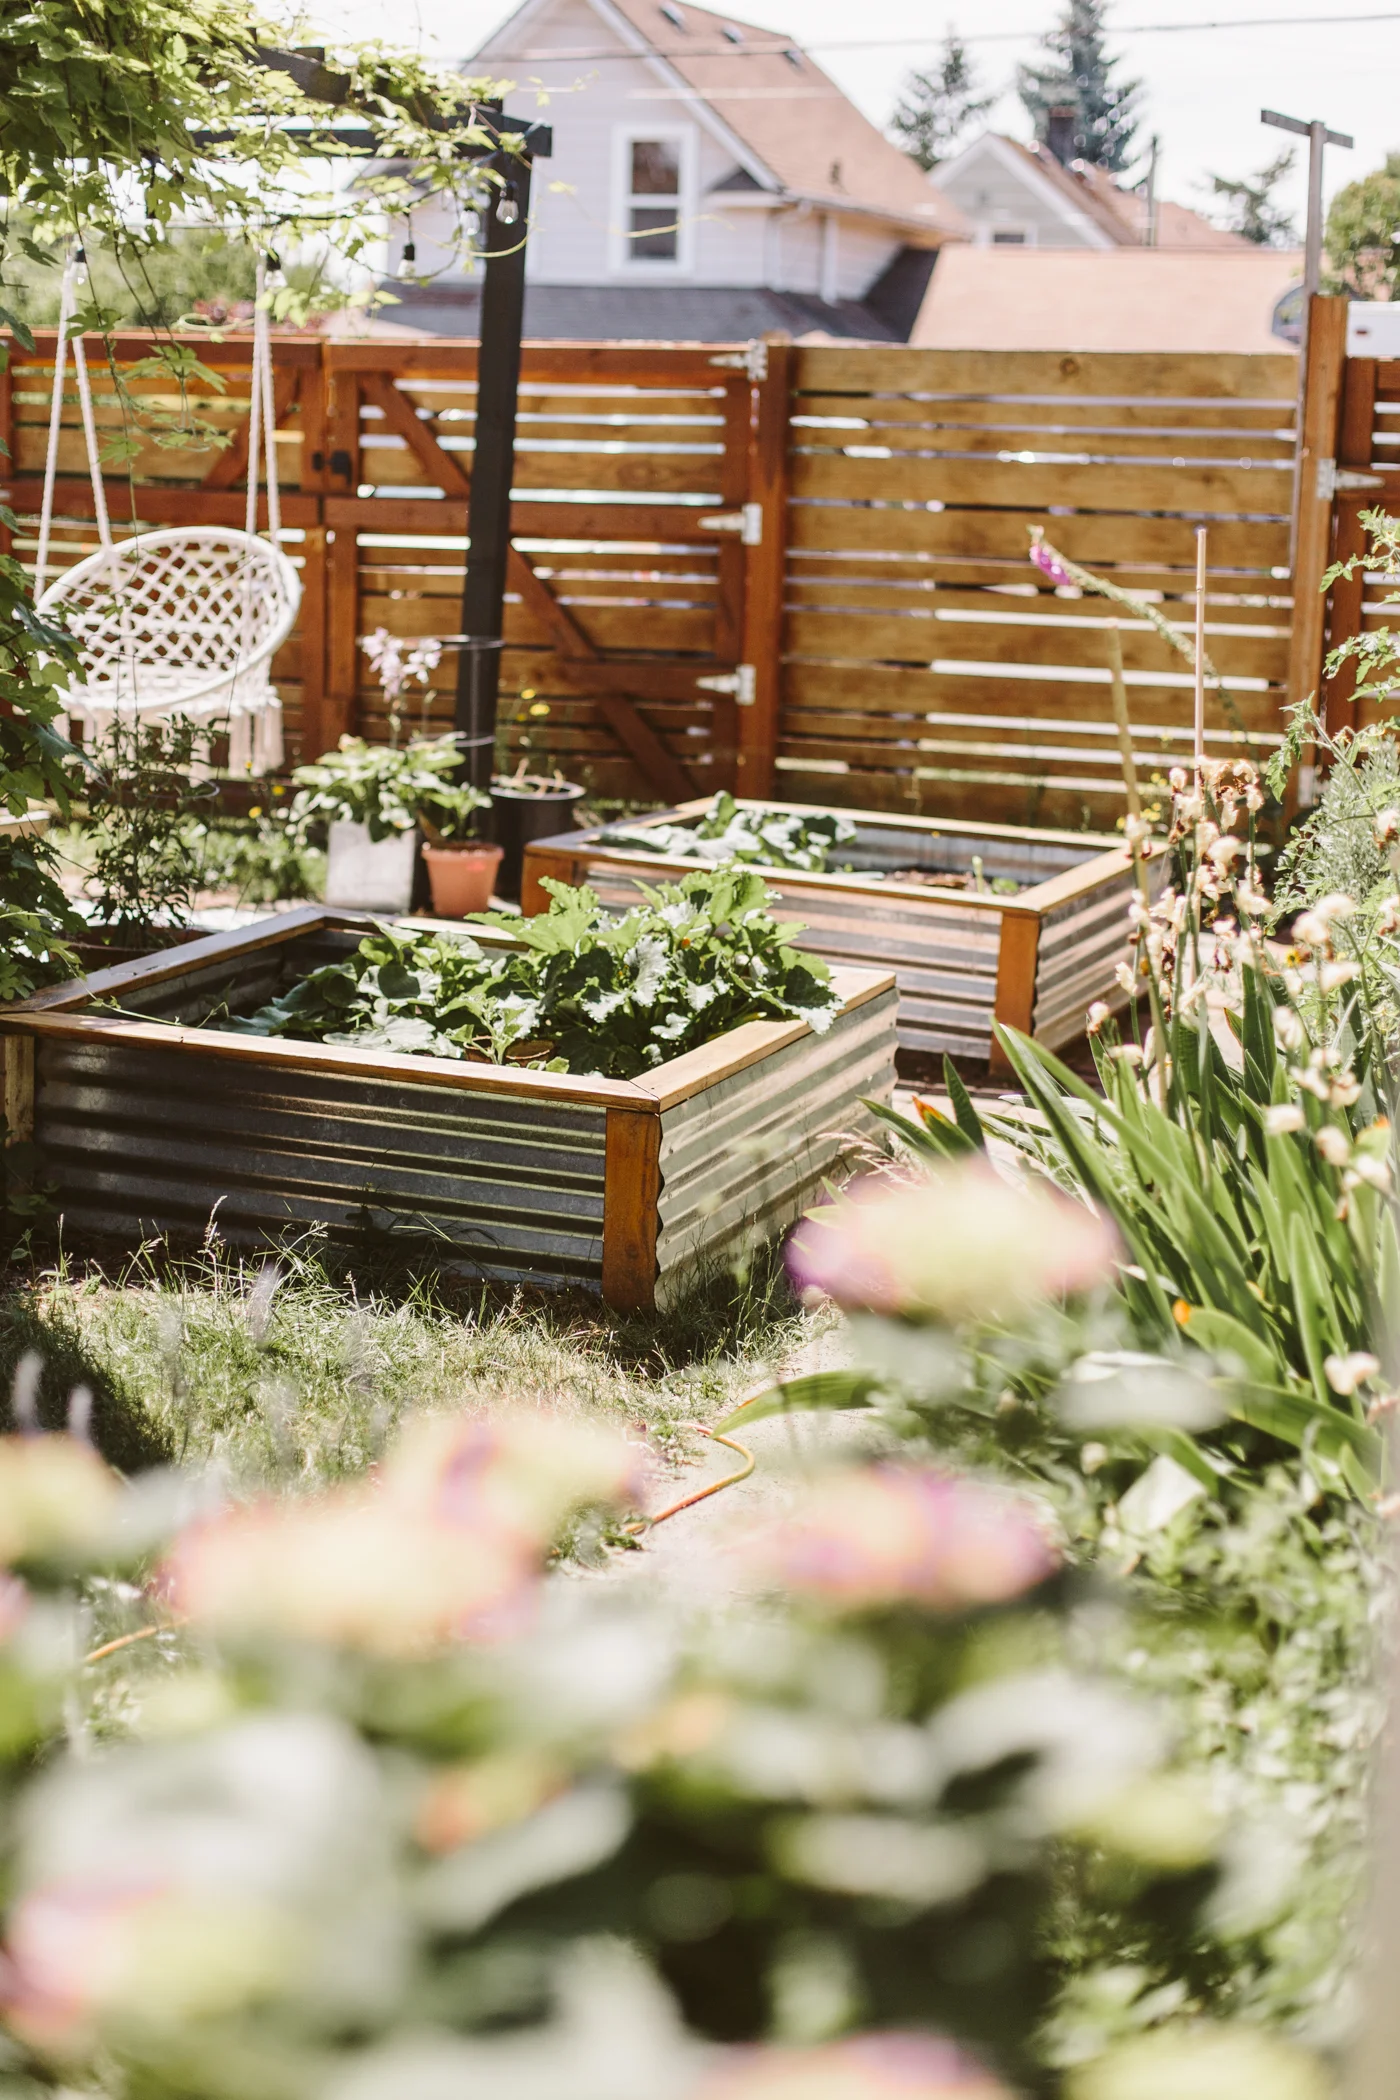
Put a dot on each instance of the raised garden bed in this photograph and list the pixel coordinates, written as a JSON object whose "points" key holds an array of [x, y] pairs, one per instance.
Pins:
{"points": [[628, 1187], [962, 957]]}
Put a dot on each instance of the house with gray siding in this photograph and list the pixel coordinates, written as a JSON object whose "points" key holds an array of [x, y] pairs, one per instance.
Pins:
{"points": [[709, 182]]}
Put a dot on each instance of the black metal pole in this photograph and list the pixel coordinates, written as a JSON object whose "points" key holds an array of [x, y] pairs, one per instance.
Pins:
{"points": [[506, 217]]}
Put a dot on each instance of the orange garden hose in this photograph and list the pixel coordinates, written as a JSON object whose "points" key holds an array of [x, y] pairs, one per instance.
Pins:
{"points": [[673, 1509]]}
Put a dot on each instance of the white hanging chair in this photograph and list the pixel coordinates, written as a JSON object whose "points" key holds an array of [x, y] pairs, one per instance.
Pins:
{"points": [[183, 622]]}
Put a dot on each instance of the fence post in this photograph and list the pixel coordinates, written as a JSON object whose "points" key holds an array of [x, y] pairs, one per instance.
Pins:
{"points": [[767, 565], [1314, 487], [1344, 604]]}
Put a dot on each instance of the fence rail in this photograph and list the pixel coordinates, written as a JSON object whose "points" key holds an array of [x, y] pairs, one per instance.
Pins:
{"points": [[799, 570]]}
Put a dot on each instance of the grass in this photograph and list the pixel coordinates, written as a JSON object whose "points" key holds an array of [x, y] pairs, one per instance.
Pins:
{"points": [[288, 1370]]}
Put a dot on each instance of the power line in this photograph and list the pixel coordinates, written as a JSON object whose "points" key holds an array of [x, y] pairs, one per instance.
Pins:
{"points": [[693, 49]]}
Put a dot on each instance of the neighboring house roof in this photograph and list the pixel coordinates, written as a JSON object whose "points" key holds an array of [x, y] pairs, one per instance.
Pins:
{"points": [[1122, 213], [1116, 299], [1102, 213], [652, 313], [796, 134]]}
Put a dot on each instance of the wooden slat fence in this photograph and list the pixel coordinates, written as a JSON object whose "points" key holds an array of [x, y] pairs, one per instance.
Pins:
{"points": [[1352, 464], [928, 665], [838, 536]]}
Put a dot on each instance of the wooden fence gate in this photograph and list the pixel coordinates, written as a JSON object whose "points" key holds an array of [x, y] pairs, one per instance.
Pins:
{"points": [[797, 570]]}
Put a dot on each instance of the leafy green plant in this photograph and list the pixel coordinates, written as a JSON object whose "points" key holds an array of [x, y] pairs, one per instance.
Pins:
{"points": [[387, 788], [778, 838], [578, 986], [150, 779]]}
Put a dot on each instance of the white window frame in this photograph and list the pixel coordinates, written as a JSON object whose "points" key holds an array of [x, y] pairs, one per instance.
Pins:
{"points": [[624, 260]]}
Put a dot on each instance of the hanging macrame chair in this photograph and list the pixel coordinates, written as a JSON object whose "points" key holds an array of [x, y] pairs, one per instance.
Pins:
{"points": [[178, 623]]}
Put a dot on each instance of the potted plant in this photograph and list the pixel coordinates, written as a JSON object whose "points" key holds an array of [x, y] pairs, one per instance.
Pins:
{"points": [[371, 799], [529, 806], [462, 868]]}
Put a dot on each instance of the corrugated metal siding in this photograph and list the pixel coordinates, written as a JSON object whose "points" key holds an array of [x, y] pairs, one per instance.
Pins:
{"points": [[138, 1140], [1080, 945], [944, 953], [745, 1158]]}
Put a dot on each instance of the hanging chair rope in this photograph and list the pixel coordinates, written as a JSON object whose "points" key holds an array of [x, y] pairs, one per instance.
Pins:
{"points": [[65, 315], [182, 621]]}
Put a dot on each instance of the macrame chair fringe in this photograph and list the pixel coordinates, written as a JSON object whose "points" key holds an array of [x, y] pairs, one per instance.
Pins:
{"points": [[182, 623]]}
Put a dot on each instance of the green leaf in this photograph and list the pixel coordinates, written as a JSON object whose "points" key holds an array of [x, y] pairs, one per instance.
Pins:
{"points": [[818, 1390], [968, 1120]]}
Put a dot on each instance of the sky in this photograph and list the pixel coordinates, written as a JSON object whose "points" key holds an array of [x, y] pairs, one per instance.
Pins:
{"points": [[1204, 87]]}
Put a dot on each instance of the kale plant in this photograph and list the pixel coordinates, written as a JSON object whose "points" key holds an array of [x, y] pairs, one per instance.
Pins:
{"points": [[583, 991], [777, 838]]}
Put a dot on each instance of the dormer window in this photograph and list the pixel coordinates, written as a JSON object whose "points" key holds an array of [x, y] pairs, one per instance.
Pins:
{"points": [[730, 34], [655, 182], [676, 19], [794, 58]]}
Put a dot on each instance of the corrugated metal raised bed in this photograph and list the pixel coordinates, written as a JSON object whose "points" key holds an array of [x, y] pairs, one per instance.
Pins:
{"points": [[1036, 960], [623, 1186]]}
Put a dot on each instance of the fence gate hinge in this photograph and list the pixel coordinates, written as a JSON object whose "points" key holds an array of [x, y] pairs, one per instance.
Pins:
{"points": [[1333, 480], [742, 682], [753, 360], [748, 523]]}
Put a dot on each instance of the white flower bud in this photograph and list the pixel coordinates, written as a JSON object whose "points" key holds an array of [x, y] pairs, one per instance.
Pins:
{"points": [[1283, 1117], [1334, 1145], [1346, 1373]]}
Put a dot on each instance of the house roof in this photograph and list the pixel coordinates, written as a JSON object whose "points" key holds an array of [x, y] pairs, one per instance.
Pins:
{"points": [[1122, 213], [795, 125], [1106, 299]]}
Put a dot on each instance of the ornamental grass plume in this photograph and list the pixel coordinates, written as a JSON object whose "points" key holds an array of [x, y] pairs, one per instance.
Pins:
{"points": [[866, 1536], [964, 1243], [890, 2066]]}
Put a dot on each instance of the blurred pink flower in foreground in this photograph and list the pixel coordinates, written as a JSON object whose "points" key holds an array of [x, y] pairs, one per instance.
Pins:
{"points": [[1048, 562], [57, 1497], [79, 1952], [447, 1543], [872, 1535], [866, 2067], [962, 1244]]}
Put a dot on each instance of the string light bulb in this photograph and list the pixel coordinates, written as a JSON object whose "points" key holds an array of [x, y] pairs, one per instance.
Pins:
{"points": [[408, 261], [508, 207], [274, 277]]}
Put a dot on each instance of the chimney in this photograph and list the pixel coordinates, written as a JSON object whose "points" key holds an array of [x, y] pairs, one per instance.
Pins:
{"points": [[1061, 122]]}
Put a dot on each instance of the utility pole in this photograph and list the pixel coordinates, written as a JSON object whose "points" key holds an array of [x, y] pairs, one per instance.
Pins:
{"points": [[1149, 231], [1318, 137]]}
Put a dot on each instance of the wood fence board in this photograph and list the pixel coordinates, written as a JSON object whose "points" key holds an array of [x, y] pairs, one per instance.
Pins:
{"points": [[1207, 377], [1150, 485], [1030, 411], [939, 440], [1249, 546]]}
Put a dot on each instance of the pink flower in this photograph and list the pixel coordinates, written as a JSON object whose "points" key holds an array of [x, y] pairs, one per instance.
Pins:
{"points": [[866, 1536], [447, 1543], [864, 2067], [1049, 562], [963, 1244]]}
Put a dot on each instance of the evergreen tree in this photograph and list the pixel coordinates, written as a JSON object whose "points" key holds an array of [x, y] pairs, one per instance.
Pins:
{"points": [[1249, 206], [936, 108], [1077, 73]]}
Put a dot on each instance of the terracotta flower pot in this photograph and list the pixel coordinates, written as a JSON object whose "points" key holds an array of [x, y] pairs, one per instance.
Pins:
{"points": [[462, 877]]}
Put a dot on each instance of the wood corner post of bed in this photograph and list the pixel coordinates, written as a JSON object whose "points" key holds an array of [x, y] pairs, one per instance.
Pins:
{"points": [[539, 862], [16, 1089], [1016, 968], [631, 1191]]}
